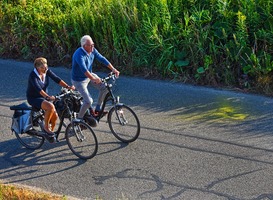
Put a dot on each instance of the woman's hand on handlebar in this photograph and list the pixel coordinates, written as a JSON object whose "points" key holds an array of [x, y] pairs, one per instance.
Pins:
{"points": [[72, 87], [50, 98]]}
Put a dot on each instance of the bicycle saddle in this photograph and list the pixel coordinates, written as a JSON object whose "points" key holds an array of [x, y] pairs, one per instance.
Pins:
{"points": [[22, 106]]}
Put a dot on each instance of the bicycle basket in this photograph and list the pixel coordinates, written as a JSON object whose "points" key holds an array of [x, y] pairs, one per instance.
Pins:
{"points": [[76, 100], [62, 109], [21, 121], [68, 104]]}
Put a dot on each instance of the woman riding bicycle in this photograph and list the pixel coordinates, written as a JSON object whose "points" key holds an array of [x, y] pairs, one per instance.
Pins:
{"points": [[37, 92]]}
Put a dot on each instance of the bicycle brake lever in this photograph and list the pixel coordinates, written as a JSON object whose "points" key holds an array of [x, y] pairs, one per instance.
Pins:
{"points": [[57, 98]]}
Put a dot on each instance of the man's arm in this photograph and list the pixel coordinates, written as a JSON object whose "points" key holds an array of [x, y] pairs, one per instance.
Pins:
{"points": [[114, 70], [97, 80], [104, 61]]}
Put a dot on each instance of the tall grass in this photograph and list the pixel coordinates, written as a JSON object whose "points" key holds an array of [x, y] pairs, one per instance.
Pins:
{"points": [[209, 42], [16, 193]]}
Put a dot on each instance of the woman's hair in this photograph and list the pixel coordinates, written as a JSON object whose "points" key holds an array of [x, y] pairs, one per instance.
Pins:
{"points": [[40, 62], [84, 39]]}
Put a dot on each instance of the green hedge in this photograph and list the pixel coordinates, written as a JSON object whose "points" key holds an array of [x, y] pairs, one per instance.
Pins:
{"points": [[208, 42]]}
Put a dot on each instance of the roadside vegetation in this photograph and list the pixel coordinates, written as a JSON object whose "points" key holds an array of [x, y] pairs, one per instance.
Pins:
{"points": [[16, 192], [222, 43], [19, 193]]}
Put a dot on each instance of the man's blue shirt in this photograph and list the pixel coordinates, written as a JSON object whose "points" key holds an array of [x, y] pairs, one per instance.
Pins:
{"points": [[82, 62]]}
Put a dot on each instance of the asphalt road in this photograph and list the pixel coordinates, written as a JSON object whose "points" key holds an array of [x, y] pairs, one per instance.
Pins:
{"points": [[195, 143]]}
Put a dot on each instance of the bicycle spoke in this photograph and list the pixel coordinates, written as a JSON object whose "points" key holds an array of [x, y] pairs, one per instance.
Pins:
{"points": [[81, 140], [124, 124]]}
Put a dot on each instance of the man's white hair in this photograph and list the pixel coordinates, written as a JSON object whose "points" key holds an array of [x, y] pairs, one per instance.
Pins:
{"points": [[85, 38]]}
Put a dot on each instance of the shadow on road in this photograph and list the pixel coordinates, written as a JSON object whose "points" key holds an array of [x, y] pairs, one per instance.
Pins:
{"points": [[22, 159], [18, 158], [190, 132]]}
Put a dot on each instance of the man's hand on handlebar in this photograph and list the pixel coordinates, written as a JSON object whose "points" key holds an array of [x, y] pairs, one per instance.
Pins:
{"points": [[96, 80], [116, 72]]}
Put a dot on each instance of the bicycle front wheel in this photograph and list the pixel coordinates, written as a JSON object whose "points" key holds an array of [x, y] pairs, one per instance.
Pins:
{"points": [[81, 140], [124, 123]]}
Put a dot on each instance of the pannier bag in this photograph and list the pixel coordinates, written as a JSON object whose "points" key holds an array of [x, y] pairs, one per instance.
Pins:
{"points": [[21, 121]]}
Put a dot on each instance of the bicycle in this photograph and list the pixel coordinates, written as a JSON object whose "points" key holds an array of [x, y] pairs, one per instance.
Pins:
{"points": [[123, 121], [28, 126]]}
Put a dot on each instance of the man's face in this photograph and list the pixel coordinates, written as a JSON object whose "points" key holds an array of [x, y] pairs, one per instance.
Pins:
{"points": [[89, 46]]}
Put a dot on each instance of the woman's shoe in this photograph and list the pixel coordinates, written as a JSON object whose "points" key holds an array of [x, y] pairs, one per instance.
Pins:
{"points": [[49, 133]]}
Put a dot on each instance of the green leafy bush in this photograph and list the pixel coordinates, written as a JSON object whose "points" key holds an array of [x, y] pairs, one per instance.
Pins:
{"points": [[208, 42]]}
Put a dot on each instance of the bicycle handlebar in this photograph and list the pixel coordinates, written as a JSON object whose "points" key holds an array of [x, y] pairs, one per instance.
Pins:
{"points": [[107, 78], [64, 92]]}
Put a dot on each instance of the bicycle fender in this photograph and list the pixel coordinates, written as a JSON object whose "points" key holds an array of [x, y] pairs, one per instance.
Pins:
{"points": [[118, 105]]}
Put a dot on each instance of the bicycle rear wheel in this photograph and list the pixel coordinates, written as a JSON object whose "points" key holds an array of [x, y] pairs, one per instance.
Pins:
{"points": [[31, 140], [124, 123], [81, 140]]}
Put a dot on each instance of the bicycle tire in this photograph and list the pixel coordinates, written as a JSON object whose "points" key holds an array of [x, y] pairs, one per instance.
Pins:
{"points": [[30, 140], [124, 123], [81, 140]]}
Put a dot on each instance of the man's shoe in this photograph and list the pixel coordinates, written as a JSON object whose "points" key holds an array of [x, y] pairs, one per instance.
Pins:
{"points": [[93, 113], [103, 113], [91, 121]]}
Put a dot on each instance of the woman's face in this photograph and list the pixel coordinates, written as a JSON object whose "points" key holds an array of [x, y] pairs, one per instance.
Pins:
{"points": [[42, 69]]}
